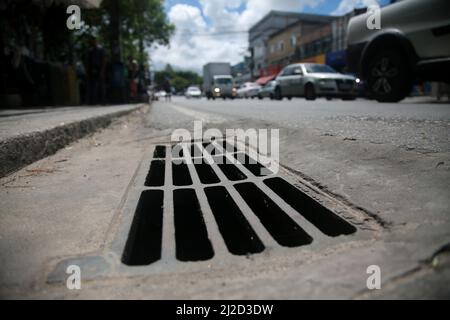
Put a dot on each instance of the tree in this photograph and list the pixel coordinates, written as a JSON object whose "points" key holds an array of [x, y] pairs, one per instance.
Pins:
{"points": [[141, 23], [180, 79], [149, 24], [180, 84]]}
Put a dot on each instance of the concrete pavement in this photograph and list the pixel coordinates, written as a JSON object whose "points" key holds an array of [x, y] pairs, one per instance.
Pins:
{"points": [[370, 157], [27, 135]]}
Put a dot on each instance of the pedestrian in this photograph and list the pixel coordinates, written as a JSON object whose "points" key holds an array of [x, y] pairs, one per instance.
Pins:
{"points": [[95, 72], [168, 89], [133, 76]]}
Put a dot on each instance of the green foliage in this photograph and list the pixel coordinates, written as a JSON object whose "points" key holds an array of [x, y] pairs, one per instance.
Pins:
{"points": [[142, 23], [180, 80], [180, 84]]}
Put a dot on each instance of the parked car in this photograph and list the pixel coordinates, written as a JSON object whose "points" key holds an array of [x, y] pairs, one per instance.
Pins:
{"points": [[312, 80], [160, 94], [193, 92], [268, 90], [413, 43], [248, 90]]}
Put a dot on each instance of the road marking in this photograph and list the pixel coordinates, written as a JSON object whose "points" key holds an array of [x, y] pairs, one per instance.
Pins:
{"points": [[203, 116]]}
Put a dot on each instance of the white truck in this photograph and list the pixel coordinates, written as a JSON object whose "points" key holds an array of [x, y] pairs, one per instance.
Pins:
{"points": [[217, 81]]}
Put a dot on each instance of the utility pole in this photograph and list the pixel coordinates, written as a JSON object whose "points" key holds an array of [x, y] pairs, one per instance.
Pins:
{"points": [[252, 62]]}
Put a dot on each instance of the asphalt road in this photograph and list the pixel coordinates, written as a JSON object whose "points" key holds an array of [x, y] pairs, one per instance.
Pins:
{"points": [[388, 162], [416, 123]]}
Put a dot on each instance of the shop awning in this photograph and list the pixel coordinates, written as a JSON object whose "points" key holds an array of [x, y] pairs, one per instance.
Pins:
{"points": [[263, 80]]}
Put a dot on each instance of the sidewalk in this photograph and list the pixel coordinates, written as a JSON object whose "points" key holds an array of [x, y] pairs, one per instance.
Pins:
{"points": [[27, 135]]}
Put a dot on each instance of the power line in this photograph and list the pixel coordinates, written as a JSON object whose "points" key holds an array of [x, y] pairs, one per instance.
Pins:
{"points": [[211, 34]]}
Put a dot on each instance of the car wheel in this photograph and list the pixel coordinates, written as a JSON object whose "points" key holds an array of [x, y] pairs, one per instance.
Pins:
{"points": [[260, 97], [310, 93], [278, 94], [388, 76], [271, 96]]}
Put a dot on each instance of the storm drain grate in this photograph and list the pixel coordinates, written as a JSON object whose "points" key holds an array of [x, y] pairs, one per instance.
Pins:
{"points": [[144, 240], [246, 202]]}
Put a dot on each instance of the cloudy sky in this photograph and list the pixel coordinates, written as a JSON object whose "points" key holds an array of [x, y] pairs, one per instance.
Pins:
{"points": [[215, 30]]}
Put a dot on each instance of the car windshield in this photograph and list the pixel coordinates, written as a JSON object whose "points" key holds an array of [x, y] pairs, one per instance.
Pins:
{"points": [[319, 68], [223, 81]]}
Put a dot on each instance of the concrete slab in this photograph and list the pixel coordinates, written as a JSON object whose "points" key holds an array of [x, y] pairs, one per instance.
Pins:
{"points": [[30, 135]]}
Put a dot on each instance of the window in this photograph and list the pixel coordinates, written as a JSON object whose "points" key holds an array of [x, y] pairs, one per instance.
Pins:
{"points": [[297, 70], [288, 71], [280, 46], [223, 81], [293, 40], [319, 68]]}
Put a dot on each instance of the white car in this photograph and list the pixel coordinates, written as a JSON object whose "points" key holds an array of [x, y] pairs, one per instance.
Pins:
{"points": [[248, 90], [412, 43], [193, 92], [160, 94]]}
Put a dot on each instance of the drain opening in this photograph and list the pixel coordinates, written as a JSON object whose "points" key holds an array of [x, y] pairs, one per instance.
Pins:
{"points": [[191, 236], [280, 226], [155, 176], [145, 237], [229, 170], [160, 152], [252, 165], [205, 172], [212, 149], [180, 174], [177, 151], [236, 231], [321, 217], [196, 151]]}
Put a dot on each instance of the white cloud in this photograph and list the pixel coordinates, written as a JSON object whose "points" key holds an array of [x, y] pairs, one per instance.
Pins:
{"points": [[348, 5], [191, 49]]}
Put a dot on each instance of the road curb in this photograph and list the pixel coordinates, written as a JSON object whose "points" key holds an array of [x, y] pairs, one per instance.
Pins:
{"points": [[22, 150]]}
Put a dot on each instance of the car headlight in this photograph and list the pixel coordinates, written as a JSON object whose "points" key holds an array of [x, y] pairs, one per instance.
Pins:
{"points": [[357, 80], [234, 89], [217, 90]]}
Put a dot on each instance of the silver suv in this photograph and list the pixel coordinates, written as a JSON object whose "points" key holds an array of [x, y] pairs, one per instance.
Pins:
{"points": [[412, 44]]}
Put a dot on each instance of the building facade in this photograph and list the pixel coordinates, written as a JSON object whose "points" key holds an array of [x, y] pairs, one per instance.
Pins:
{"points": [[281, 38], [270, 24]]}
